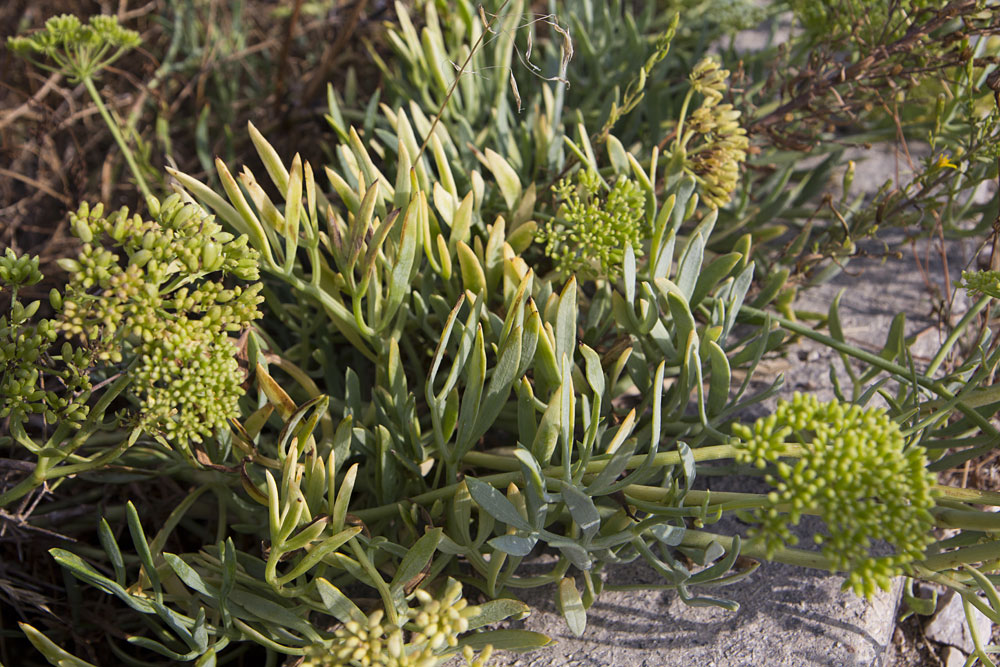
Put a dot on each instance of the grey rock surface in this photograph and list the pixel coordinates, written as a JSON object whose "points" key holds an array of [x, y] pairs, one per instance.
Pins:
{"points": [[789, 617], [948, 625], [952, 657]]}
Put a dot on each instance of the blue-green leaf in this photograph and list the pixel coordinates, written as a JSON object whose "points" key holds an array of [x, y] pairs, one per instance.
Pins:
{"points": [[416, 559], [495, 504], [689, 267], [507, 179], [582, 509], [339, 605], [497, 610], [514, 545], [565, 328], [571, 606]]}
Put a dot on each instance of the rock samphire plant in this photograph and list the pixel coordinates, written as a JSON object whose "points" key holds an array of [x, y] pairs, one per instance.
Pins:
{"points": [[372, 390]]}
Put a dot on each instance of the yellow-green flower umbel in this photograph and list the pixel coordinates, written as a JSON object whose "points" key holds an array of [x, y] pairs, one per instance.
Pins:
{"points": [[589, 232], [429, 636], [850, 466], [147, 291]]}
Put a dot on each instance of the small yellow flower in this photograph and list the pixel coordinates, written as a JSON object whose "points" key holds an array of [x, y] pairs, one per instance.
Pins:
{"points": [[945, 161]]}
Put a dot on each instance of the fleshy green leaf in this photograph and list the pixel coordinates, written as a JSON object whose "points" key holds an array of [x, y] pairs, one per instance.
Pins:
{"points": [[507, 179], [416, 559], [506, 640], [571, 606], [582, 509], [495, 504]]}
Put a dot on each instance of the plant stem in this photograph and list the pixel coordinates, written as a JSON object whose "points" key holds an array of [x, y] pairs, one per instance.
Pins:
{"points": [[116, 133], [25, 486], [454, 84], [978, 553], [385, 511], [873, 360], [955, 333], [714, 453], [702, 539], [680, 141], [975, 496], [392, 616]]}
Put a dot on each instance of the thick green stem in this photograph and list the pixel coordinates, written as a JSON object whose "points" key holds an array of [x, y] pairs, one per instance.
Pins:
{"points": [[117, 134], [953, 337], [714, 453], [22, 488], [702, 539], [392, 616], [977, 553], [974, 496], [386, 511], [872, 359]]}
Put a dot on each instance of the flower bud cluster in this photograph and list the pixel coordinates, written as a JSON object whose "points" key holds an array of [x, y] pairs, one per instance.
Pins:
{"points": [[79, 49], [589, 234], [856, 473], [188, 382], [984, 282], [19, 271], [709, 79], [721, 144], [140, 290], [433, 627], [439, 621], [30, 380]]}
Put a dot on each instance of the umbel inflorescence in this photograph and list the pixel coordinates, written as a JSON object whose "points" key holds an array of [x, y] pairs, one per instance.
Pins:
{"points": [[431, 627], [714, 143], [140, 293], [983, 282], [591, 229], [36, 378], [80, 50], [853, 470]]}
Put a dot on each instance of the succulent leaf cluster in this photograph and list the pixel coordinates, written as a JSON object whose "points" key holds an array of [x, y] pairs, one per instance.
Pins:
{"points": [[591, 228], [139, 290], [79, 49], [422, 358], [854, 470]]}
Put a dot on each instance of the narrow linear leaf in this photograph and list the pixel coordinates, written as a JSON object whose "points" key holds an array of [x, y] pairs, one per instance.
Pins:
{"points": [[416, 559], [506, 640]]}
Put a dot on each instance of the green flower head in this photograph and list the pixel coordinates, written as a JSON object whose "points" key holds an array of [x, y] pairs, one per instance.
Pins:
{"points": [[36, 377], [79, 50], [983, 282], [854, 471], [589, 233], [18, 271], [433, 626], [148, 292]]}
